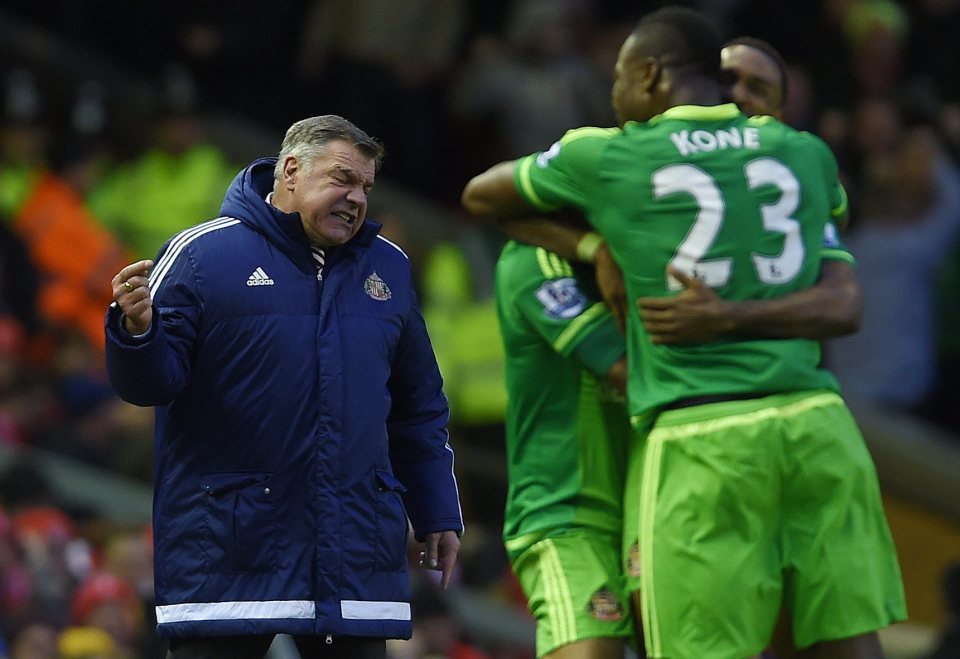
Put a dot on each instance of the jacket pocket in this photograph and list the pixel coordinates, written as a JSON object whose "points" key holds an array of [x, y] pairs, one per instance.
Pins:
{"points": [[391, 522], [239, 527]]}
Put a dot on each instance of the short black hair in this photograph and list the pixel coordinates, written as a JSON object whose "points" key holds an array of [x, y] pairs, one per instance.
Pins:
{"points": [[684, 38], [772, 53]]}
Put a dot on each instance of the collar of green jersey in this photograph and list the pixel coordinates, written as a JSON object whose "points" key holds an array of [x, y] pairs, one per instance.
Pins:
{"points": [[698, 112]]}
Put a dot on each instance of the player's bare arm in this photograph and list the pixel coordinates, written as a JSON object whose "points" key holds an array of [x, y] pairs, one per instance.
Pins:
{"points": [[492, 197], [833, 307], [492, 194], [616, 376], [560, 233]]}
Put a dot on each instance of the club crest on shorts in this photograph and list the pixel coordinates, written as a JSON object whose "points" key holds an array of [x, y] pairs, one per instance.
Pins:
{"points": [[377, 288], [604, 605], [633, 563]]}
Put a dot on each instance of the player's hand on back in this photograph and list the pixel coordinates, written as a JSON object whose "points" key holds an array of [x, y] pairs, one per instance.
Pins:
{"points": [[694, 315]]}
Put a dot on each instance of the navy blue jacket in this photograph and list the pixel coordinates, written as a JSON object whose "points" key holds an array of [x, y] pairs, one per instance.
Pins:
{"points": [[299, 423]]}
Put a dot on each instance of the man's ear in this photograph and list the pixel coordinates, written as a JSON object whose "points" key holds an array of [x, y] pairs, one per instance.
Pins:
{"points": [[652, 72], [291, 168]]}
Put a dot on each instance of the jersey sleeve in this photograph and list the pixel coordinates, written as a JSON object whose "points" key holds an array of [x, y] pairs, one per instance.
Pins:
{"points": [[840, 207], [566, 314], [563, 175], [833, 248]]}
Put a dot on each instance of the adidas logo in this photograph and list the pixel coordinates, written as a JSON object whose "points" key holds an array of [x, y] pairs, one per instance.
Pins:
{"points": [[259, 278]]}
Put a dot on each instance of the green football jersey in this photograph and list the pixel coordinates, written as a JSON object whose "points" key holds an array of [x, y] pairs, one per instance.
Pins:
{"points": [[740, 203], [567, 433]]}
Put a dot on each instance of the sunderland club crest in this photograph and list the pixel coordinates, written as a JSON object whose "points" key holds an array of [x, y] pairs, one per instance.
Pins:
{"points": [[377, 288], [605, 606]]}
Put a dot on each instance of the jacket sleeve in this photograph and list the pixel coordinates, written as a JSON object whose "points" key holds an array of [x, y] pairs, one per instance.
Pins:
{"points": [[419, 449], [153, 369]]}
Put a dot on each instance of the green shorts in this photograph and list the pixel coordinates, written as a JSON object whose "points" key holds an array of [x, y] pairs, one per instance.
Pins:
{"points": [[574, 588], [631, 504], [748, 505]]}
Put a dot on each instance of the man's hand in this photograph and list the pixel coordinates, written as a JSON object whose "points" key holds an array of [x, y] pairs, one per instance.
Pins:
{"points": [[441, 554], [611, 284], [694, 315], [132, 294]]}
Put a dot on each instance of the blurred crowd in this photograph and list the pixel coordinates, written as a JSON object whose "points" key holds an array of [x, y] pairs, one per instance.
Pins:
{"points": [[88, 184]]}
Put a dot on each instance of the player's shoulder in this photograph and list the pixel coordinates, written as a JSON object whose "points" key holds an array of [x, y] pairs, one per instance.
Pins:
{"points": [[811, 141], [579, 148], [816, 150], [801, 139], [520, 264], [517, 259], [589, 132]]}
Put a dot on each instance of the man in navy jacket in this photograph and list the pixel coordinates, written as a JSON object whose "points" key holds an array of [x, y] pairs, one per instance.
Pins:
{"points": [[300, 417]]}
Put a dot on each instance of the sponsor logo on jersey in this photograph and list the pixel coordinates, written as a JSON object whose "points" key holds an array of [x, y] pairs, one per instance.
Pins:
{"points": [[604, 605], [561, 298], [376, 288]]}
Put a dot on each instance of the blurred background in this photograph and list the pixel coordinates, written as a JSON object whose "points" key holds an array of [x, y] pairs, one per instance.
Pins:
{"points": [[123, 122]]}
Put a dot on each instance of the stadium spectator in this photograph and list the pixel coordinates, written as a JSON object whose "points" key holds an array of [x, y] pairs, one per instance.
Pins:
{"points": [[533, 83], [72, 252], [283, 342], [458, 308], [87, 643], [105, 601], [19, 284], [133, 198], [65, 252], [438, 633], [910, 218], [37, 640], [359, 56]]}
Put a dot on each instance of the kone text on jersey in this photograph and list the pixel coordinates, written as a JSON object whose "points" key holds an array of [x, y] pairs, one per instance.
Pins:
{"points": [[688, 142]]}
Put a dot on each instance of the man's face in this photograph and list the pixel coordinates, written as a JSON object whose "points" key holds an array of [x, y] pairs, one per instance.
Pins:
{"points": [[754, 78], [630, 97], [330, 193]]}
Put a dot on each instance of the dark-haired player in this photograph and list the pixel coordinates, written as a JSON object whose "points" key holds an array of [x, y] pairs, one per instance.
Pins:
{"points": [[755, 77]]}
